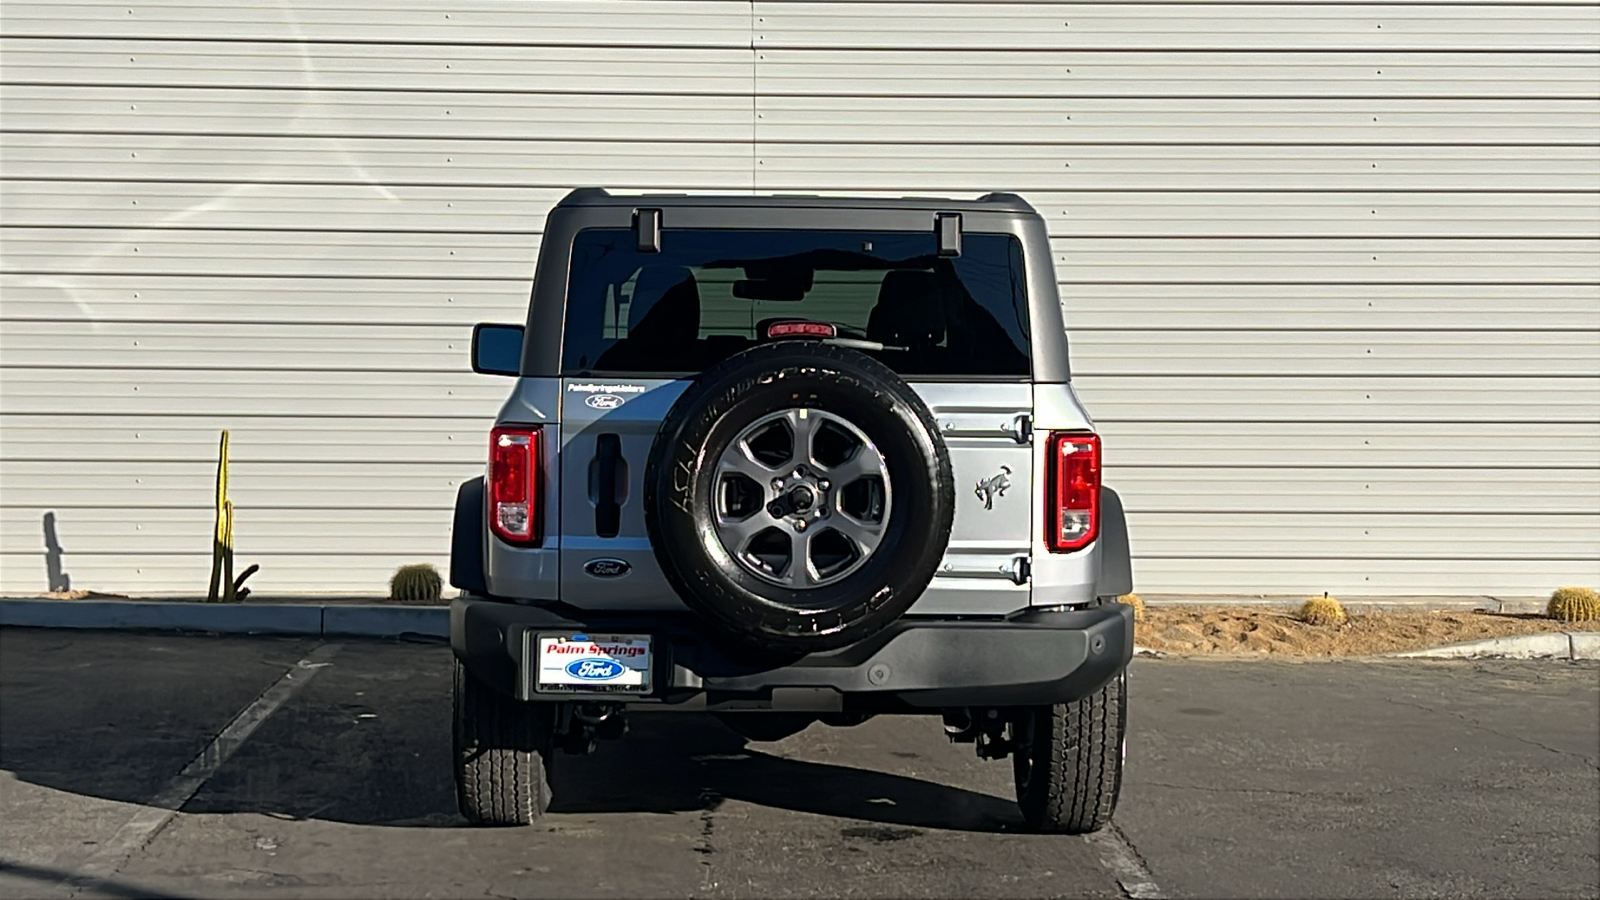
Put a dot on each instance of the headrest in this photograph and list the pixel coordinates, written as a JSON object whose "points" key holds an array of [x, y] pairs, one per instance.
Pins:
{"points": [[666, 305], [910, 312]]}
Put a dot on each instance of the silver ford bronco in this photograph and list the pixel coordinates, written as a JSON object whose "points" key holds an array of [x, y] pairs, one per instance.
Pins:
{"points": [[786, 460]]}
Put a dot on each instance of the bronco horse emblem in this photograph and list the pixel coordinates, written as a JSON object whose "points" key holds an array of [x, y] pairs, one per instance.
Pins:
{"points": [[993, 486]]}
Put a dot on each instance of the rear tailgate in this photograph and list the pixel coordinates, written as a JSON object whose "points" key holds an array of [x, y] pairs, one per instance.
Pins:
{"points": [[986, 427]]}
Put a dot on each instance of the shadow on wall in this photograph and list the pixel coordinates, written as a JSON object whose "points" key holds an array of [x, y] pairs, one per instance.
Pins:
{"points": [[59, 580]]}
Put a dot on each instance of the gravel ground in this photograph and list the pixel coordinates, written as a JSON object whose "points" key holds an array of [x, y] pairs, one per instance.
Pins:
{"points": [[1257, 631]]}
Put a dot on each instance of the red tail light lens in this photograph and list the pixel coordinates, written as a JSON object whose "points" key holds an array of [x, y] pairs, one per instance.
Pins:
{"points": [[1072, 520], [513, 505], [802, 329]]}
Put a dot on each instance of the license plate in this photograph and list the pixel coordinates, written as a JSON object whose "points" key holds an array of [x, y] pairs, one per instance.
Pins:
{"points": [[594, 663]]}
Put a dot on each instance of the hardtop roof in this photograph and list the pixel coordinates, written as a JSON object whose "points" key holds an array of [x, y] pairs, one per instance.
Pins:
{"points": [[990, 203]]}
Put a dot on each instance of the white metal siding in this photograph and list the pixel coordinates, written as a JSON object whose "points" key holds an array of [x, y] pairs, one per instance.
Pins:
{"points": [[1331, 270]]}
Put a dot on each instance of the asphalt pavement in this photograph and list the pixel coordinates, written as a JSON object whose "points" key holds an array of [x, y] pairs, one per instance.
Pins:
{"points": [[1245, 779]]}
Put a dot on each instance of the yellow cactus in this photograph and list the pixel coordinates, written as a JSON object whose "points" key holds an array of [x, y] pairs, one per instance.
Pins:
{"points": [[1574, 604], [1322, 610], [419, 583], [1137, 604], [222, 587]]}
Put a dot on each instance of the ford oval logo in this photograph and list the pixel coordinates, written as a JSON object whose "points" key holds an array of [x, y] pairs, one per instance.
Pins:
{"points": [[607, 568], [594, 668], [604, 401]]}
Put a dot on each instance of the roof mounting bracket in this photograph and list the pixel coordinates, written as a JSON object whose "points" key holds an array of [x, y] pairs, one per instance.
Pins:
{"points": [[948, 227], [647, 229]]}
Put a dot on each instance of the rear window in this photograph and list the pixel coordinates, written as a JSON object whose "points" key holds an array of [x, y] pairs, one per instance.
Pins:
{"points": [[711, 293]]}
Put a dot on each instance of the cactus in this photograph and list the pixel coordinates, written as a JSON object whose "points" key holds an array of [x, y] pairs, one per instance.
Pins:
{"points": [[419, 583], [221, 590], [1137, 604], [1574, 604], [1322, 610]]}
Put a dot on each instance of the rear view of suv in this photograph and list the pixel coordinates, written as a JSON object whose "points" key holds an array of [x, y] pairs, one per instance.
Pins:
{"points": [[788, 460]]}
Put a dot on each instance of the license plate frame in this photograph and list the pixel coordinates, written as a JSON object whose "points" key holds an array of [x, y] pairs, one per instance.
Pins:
{"points": [[580, 662]]}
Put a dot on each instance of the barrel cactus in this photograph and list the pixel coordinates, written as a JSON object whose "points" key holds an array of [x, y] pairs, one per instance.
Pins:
{"points": [[419, 583], [1574, 604], [1137, 604], [1322, 610]]}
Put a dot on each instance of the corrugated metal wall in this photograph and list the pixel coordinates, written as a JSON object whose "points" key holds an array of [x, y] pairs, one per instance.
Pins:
{"points": [[1332, 270]]}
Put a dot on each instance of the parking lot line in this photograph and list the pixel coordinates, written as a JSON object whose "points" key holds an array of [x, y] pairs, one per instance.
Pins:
{"points": [[159, 810]]}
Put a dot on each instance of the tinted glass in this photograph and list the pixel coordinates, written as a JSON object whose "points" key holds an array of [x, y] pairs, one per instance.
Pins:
{"points": [[709, 294]]}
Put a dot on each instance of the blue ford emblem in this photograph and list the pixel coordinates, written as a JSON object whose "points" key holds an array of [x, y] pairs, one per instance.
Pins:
{"points": [[595, 669], [607, 568]]}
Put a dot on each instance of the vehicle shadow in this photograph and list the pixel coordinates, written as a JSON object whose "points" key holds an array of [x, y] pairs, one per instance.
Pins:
{"points": [[668, 764], [368, 742], [48, 878], [671, 763]]}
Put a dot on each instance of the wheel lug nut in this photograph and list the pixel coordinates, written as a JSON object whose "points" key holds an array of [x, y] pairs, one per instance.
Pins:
{"points": [[823, 484], [800, 525]]}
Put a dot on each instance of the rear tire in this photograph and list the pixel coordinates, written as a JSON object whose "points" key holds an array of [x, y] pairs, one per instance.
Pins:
{"points": [[1067, 759], [502, 754]]}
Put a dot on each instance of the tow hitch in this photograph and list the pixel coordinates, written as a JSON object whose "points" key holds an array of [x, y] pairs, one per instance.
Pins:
{"points": [[986, 729], [580, 725]]}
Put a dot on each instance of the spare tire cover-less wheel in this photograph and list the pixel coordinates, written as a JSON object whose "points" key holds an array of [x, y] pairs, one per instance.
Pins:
{"points": [[799, 496]]}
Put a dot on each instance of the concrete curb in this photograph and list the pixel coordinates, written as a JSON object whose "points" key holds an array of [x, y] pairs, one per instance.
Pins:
{"points": [[1550, 645], [1358, 604], [233, 618], [374, 620], [430, 621]]}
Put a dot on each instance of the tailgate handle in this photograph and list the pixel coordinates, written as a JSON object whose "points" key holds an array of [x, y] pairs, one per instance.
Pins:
{"points": [[607, 511], [1017, 569], [1020, 569], [1021, 429]]}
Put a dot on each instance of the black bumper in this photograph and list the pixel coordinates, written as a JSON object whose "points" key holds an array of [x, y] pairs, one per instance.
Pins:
{"points": [[1033, 658]]}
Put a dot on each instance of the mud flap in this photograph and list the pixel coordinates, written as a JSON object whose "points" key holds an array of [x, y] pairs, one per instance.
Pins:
{"points": [[466, 539], [1116, 563]]}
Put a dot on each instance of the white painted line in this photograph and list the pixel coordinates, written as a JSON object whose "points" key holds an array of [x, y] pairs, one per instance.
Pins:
{"points": [[1119, 856], [159, 810]]}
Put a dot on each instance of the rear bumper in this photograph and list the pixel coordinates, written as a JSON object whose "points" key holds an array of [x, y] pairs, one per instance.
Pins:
{"points": [[1033, 658]]}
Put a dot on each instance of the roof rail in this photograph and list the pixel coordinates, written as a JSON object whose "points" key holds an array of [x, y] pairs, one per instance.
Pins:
{"points": [[600, 197], [1005, 197], [578, 195]]}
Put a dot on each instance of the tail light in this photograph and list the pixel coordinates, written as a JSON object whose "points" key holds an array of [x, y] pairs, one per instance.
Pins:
{"points": [[802, 329], [513, 505], [1072, 519]]}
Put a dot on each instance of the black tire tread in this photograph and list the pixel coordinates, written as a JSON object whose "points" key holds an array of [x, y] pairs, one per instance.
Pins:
{"points": [[502, 755], [1076, 756]]}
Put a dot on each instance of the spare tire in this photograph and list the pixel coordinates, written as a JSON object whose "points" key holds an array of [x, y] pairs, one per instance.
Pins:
{"points": [[799, 497]]}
